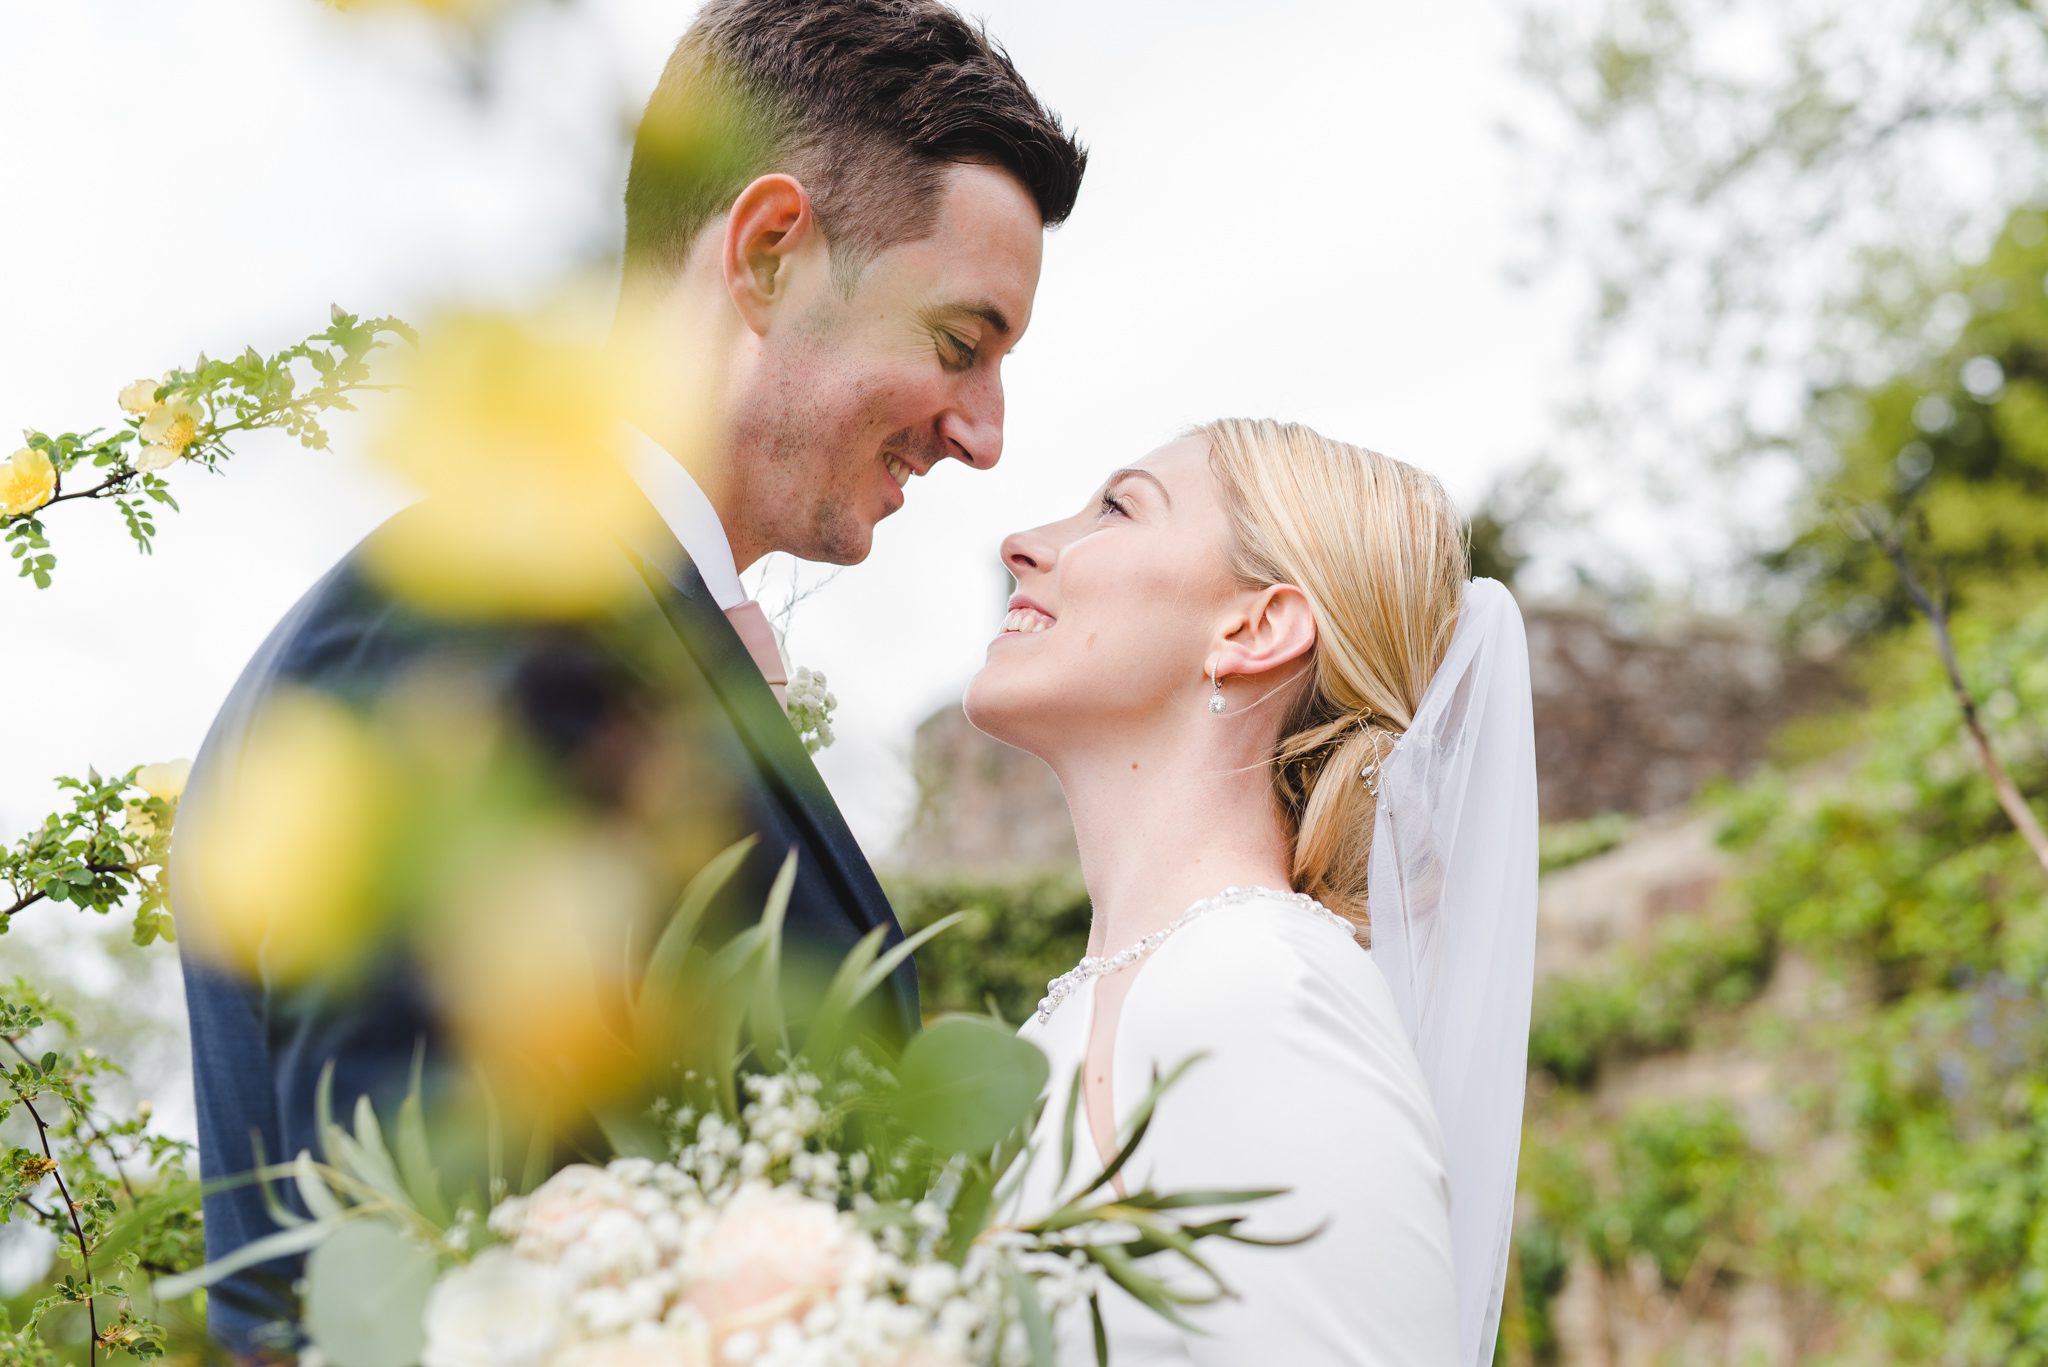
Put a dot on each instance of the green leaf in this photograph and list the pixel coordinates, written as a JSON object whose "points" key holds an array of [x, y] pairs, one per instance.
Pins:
{"points": [[965, 1082], [415, 1157], [671, 952], [278, 1245], [1037, 1324], [366, 1296], [1067, 1130]]}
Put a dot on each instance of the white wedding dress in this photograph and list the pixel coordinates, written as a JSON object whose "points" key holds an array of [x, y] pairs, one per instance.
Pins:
{"points": [[1310, 1083]]}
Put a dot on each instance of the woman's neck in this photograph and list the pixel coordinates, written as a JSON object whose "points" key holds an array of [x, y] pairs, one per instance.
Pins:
{"points": [[1163, 821]]}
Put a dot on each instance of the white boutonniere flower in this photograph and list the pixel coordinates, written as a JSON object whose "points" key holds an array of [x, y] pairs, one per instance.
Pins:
{"points": [[809, 704]]}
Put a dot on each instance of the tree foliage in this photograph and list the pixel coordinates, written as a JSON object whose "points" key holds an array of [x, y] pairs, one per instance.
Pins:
{"points": [[1959, 438], [1765, 200]]}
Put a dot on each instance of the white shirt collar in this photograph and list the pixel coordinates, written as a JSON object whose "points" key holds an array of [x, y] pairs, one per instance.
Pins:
{"points": [[689, 514]]}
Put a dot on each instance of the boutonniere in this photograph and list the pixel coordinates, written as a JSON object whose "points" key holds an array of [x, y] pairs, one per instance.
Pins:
{"points": [[809, 705]]}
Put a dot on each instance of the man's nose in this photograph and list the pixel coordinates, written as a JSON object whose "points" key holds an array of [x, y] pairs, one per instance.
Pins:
{"points": [[973, 428]]}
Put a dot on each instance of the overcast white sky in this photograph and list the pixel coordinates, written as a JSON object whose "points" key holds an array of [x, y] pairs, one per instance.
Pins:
{"points": [[1292, 209]]}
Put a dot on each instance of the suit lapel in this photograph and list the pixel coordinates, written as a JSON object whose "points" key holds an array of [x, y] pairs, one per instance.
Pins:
{"points": [[785, 766]]}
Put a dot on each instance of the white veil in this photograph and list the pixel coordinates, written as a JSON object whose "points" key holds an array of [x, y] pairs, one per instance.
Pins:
{"points": [[1453, 906]]}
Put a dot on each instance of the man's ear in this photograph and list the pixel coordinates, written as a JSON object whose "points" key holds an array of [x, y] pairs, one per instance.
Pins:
{"points": [[769, 221], [1276, 629]]}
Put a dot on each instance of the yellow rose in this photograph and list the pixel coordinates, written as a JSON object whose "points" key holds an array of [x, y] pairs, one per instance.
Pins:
{"points": [[165, 780], [140, 398], [27, 481], [166, 783], [156, 456], [173, 423]]}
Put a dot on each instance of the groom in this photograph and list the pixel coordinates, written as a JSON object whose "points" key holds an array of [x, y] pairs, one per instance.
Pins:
{"points": [[850, 251]]}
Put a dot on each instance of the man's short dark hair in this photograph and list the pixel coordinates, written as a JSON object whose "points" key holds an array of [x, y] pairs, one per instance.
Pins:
{"points": [[866, 102]]}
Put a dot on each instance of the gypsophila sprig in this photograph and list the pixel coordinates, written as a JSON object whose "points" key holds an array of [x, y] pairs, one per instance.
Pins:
{"points": [[184, 418], [810, 706]]}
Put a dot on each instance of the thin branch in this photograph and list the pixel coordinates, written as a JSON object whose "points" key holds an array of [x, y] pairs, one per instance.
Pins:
{"points": [[85, 1117], [92, 1351], [1935, 606], [29, 899]]}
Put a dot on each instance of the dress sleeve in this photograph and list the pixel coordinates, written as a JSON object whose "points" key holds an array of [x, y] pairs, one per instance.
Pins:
{"points": [[1310, 1084]]}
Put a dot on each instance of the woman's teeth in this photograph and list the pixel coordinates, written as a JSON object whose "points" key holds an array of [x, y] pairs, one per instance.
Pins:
{"points": [[1025, 620], [898, 471]]}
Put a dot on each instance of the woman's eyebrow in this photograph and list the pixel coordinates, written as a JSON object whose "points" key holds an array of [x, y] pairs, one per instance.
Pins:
{"points": [[1130, 472]]}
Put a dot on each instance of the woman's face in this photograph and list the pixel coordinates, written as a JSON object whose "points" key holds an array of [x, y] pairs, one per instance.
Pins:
{"points": [[1117, 613]]}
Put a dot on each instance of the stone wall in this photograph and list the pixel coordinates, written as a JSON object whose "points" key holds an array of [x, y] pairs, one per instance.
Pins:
{"points": [[1636, 721]]}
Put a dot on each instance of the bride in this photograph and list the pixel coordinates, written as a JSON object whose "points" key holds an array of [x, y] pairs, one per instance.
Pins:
{"points": [[1288, 728]]}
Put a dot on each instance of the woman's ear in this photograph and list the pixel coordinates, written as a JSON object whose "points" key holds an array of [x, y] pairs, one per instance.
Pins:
{"points": [[768, 222], [1277, 629]]}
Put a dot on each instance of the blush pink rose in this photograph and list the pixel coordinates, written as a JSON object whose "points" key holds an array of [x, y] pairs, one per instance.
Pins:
{"points": [[770, 1256]]}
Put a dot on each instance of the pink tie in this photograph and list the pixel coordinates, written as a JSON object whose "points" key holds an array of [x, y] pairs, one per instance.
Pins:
{"points": [[759, 638]]}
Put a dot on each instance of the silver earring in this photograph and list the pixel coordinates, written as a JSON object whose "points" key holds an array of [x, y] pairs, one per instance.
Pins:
{"points": [[1216, 695]]}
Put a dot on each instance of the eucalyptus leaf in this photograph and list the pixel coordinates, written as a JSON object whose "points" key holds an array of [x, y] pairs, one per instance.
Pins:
{"points": [[965, 1082], [366, 1296]]}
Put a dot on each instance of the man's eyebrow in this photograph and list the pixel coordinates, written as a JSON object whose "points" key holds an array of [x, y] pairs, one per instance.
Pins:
{"points": [[1129, 472], [988, 313]]}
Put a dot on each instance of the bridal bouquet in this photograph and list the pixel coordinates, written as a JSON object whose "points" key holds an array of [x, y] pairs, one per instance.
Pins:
{"points": [[757, 1243], [803, 1197]]}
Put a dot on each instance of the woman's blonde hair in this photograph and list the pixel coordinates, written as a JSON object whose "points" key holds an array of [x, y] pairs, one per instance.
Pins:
{"points": [[1382, 555]]}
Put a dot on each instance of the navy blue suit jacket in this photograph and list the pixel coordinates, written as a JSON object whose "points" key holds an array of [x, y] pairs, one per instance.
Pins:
{"points": [[259, 1048]]}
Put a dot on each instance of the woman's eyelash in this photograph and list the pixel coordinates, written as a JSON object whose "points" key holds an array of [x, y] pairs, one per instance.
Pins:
{"points": [[1112, 505]]}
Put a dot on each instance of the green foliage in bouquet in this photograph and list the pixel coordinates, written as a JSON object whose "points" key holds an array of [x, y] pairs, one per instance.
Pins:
{"points": [[184, 417]]}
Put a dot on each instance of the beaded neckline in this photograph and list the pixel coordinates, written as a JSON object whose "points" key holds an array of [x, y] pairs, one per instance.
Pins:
{"points": [[1092, 966]]}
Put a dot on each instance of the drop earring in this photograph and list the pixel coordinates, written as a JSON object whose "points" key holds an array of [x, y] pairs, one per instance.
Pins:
{"points": [[1216, 692]]}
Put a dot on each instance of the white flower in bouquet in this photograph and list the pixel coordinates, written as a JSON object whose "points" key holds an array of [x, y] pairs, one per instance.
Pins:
{"points": [[560, 1212], [499, 1310], [644, 1347]]}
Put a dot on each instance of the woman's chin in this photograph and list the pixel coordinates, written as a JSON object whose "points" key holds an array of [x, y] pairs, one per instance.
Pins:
{"points": [[997, 712]]}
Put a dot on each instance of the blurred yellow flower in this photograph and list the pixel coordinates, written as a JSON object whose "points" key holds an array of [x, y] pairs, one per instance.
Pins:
{"points": [[174, 423], [443, 9], [286, 849], [530, 954], [27, 482], [139, 398], [516, 439]]}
